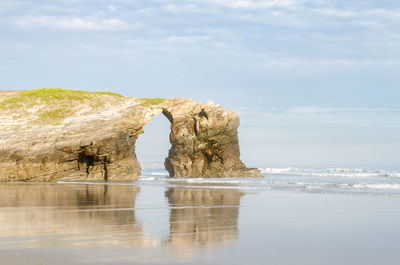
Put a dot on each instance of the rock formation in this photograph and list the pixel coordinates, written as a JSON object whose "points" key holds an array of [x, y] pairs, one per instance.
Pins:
{"points": [[61, 135]]}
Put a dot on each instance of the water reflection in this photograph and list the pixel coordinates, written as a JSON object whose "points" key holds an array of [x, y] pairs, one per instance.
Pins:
{"points": [[76, 214], [93, 215], [203, 217]]}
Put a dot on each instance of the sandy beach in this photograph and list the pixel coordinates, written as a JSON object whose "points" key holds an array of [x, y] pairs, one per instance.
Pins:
{"points": [[146, 223]]}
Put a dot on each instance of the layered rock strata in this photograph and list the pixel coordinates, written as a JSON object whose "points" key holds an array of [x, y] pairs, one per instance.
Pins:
{"points": [[98, 143]]}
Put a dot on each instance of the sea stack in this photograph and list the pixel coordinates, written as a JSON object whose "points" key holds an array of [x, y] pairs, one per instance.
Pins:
{"points": [[72, 135]]}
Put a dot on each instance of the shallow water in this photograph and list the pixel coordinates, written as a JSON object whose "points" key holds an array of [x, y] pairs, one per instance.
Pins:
{"points": [[158, 220], [332, 180]]}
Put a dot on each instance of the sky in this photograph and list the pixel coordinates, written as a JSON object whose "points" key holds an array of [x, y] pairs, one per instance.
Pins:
{"points": [[315, 83]]}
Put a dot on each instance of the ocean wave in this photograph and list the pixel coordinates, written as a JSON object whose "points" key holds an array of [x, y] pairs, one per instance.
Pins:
{"points": [[377, 186], [330, 180], [330, 172], [157, 173], [147, 178]]}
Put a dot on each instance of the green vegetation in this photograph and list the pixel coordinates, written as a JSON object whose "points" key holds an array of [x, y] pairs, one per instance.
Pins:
{"points": [[108, 93], [54, 114], [49, 95], [11, 102], [52, 105], [147, 102]]}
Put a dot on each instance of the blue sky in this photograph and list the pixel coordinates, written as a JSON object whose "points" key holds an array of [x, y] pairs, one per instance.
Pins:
{"points": [[316, 83]]}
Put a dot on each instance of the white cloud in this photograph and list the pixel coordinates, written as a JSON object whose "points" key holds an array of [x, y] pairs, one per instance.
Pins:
{"points": [[251, 4], [312, 65], [335, 12], [72, 23], [181, 8], [187, 39]]}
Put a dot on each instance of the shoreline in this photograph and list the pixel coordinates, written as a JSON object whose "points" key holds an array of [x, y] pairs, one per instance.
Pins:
{"points": [[163, 224]]}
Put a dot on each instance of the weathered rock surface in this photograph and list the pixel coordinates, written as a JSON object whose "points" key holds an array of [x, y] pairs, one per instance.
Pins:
{"points": [[98, 143]]}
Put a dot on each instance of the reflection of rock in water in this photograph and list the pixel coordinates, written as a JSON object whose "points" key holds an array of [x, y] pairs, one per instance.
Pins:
{"points": [[85, 214], [203, 216]]}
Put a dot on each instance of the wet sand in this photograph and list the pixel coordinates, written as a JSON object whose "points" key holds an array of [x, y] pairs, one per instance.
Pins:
{"points": [[47, 223]]}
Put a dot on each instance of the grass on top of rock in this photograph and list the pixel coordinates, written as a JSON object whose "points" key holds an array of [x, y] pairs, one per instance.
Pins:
{"points": [[30, 98], [53, 116], [52, 105], [147, 102]]}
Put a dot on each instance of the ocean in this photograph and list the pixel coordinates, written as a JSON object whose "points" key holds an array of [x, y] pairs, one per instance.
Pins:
{"points": [[354, 181]]}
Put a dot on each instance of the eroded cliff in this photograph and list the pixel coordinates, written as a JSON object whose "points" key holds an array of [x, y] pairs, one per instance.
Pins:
{"points": [[54, 134]]}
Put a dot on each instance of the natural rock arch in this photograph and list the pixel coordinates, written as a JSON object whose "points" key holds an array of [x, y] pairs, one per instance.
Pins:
{"points": [[101, 147], [204, 141]]}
